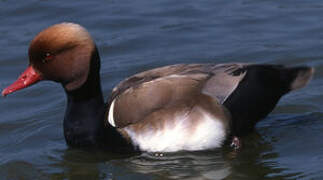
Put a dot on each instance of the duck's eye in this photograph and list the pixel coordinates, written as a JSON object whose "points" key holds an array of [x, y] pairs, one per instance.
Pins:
{"points": [[48, 56]]}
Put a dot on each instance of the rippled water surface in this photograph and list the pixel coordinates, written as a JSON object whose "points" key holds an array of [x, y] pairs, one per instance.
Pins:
{"points": [[133, 36]]}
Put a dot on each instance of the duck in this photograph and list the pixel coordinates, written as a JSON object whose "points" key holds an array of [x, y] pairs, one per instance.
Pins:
{"points": [[180, 107]]}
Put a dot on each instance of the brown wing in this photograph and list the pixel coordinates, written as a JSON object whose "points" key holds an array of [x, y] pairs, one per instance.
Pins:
{"points": [[137, 102], [149, 91], [225, 79], [152, 74]]}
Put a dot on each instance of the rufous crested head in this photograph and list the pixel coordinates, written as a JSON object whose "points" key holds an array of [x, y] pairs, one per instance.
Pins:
{"points": [[62, 53]]}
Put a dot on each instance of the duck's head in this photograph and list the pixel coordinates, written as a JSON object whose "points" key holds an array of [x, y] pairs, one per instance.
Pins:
{"points": [[60, 53]]}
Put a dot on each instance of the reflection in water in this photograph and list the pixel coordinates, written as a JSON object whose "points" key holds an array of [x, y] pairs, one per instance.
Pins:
{"points": [[17, 170], [254, 161], [180, 165], [257, 159], [188, 165], [84, 164]]}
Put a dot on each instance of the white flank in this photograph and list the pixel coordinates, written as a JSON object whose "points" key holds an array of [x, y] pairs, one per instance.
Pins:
{"points": [[209, 133], [111, 110]]}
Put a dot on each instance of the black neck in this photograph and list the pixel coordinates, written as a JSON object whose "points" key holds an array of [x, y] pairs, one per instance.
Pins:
{"points": [[84, 117], [84, 114]]}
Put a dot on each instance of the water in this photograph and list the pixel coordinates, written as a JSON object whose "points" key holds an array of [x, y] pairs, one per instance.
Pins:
{"points": [[133, 36]]}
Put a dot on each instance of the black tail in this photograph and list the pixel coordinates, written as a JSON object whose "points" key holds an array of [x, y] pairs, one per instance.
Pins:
{"points": [[260, 90]]}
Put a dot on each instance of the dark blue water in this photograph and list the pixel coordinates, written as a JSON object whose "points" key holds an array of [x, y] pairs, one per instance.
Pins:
{"points": [[133, 36]]}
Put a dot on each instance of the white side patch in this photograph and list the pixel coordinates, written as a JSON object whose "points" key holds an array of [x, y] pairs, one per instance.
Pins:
{"points": [[111, 110], [209, 133]]}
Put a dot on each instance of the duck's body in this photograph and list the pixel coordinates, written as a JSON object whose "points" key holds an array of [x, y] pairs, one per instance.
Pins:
{"points": [[167, 109], [173, 108]]}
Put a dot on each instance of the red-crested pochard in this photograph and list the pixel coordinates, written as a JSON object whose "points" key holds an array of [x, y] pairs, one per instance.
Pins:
{"points": [[179, 107]]}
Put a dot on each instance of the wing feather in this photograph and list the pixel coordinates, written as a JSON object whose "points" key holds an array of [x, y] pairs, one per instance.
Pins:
{"points": [[149, 91]]}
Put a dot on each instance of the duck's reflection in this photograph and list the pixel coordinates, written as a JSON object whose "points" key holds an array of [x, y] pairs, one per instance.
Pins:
{"points": [[255, 160]]}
